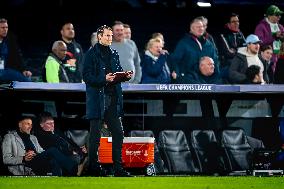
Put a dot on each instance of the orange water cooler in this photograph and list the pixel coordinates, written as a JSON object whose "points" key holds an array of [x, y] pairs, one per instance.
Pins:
{"points": [[137, 152]]}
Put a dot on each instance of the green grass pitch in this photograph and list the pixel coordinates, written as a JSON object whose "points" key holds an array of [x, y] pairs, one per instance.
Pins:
{"points": [[188, 182]]}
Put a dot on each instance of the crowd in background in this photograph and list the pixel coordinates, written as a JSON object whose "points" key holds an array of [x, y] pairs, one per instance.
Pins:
{"points": [[231, 52], [198, 58]]}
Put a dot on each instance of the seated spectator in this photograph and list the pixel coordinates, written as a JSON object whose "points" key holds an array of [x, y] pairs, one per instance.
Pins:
{"points": [[11, 63], [24, 156], [154, 64], [206, 73], [54, 69], [253, 74], [245, 57], [49, 137]]}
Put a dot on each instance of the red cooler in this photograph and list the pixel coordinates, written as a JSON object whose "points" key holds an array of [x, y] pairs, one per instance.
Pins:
{"points": [[137, 152]]}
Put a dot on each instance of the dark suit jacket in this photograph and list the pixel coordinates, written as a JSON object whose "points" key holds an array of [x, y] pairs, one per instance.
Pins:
{"points": [[94, 75]]}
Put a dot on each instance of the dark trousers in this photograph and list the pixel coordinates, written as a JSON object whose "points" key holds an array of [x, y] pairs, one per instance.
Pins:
{"points": [[207, 110], [115, 126], [52, 160]]}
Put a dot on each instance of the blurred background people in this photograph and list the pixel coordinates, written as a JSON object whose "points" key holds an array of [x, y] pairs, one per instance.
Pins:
{"points": [[271, 32], [12, 67], [231, 38], [154, 64], [54, 70], [74, 56], [127, 31], [128, 52], [245, 57]]}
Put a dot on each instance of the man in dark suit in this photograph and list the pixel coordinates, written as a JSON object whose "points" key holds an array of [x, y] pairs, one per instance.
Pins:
{"points": [[104, 99]]}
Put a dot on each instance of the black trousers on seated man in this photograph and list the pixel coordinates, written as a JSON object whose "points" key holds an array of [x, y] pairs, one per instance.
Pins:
{"points": [[54, 161], [115, 126]]}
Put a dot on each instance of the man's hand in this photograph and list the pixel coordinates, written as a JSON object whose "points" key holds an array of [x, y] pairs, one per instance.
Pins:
{"points": [[129, 74], [110, 77], [72, 62], [29, 155], [174, 75], [27, 73]]}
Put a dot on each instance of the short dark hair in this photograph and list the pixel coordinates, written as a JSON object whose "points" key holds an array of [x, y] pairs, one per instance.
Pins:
{"points": [[23, 117], [265, 47], [126, 25], [252, 71], [232, 15], [117, 22], [101, 29], [44, 116], [65, 23], [3, 20]]}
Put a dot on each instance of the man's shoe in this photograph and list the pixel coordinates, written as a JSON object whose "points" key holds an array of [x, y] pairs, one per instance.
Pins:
{"points": [[122, 173]]}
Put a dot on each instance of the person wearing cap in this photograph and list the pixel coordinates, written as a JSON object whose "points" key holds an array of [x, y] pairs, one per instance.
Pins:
{"points": [[23, 154], [270, 32], [246, 57]]}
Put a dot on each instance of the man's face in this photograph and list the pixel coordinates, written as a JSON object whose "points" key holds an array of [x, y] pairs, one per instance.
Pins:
{"points": [[105, 38], [48, 125], [25, 126], [68, 31], [127, 33], [267, 54], [61, 51], [3, 30], [118, 32], [234, 23], [207, 66], [197, 28], [274, 18], [253, 48]]}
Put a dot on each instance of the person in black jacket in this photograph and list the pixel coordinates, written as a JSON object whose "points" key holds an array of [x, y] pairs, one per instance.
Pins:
{"points": [[74, 55], [50, 137], [104, 99], [11, 63]]}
